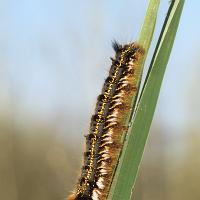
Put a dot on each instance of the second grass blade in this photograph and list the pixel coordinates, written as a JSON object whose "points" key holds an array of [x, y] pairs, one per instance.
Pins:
{"points": [[134, 147]]}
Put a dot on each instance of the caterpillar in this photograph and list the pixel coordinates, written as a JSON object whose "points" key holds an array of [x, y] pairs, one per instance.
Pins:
{"points": [[108, 127]]}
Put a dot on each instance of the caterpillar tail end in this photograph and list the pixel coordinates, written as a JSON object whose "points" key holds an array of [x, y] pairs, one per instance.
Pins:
{"points": [[71, 197]]}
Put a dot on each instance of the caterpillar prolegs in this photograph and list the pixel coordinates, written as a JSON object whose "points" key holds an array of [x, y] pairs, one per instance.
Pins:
{"points": [[104, 140]]}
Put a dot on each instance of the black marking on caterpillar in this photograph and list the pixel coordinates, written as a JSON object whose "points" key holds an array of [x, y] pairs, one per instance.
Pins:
{"points": [[103, 142]]}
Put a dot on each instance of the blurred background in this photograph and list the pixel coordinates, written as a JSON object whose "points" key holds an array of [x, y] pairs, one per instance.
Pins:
{"points": [[54, 57]]}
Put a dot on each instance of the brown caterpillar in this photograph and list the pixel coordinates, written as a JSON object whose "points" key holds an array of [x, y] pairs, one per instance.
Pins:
{"points": [[104, 140]]}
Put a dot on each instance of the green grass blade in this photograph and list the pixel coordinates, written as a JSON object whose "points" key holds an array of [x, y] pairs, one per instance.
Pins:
{"points": [[144, 40], [137, 135], [148, 26]]}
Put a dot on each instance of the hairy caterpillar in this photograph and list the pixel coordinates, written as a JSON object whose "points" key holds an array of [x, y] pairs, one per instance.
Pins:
{"points": [[104, 140]]}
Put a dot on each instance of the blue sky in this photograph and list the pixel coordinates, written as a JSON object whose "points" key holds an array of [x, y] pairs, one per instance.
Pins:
{"points": [[55, 56]]}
